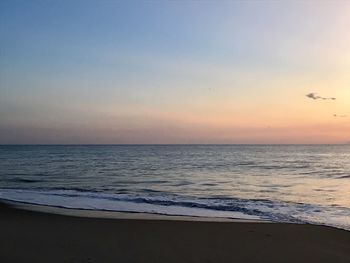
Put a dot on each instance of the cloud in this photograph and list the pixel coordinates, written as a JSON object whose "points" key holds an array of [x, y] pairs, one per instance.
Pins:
{"points": [[339, 116], [316, 97]]}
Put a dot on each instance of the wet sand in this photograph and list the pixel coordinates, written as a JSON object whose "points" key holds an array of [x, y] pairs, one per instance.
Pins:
{"points": [[32, 236]]}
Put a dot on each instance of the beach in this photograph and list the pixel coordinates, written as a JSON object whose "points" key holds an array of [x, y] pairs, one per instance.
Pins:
{"points": [[174, 131], [34, 236]]}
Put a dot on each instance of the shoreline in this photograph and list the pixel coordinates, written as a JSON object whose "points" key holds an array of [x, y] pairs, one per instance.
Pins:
{"points": [[37, 236], [109, 214]]}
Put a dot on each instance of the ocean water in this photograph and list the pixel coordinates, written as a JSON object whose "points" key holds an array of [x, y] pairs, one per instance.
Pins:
{"points": [[282, 183]]}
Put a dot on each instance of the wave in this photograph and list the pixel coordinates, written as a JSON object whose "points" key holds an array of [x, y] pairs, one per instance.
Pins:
{"points": [[115, 202], [158, 203], [343, 177], [23, 180]]}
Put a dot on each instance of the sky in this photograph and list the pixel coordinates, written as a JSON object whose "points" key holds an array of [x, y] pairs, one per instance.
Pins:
{"points": [[115, 72]]}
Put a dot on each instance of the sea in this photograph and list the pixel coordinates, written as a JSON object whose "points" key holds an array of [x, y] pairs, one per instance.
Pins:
{"points": [[279, 183]]}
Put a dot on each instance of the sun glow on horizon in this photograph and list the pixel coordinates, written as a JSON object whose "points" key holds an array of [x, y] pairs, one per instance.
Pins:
{"points": [[174, 72]]}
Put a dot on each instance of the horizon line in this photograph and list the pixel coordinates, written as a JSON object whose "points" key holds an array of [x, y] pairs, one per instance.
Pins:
{"points": [[159, 144]]}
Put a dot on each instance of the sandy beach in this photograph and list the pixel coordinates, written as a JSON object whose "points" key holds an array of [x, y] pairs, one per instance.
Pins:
{"points": [[32, 236]]}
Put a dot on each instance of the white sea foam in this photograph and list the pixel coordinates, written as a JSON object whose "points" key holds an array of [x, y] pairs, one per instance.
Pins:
{"points": [[184, 206], [94, 201]]}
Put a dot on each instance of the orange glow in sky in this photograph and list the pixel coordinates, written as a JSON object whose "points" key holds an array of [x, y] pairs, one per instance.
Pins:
{"points": [[175, 72]]}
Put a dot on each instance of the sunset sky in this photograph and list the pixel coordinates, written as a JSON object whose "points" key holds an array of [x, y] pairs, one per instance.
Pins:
{"points": [[174, 72]]}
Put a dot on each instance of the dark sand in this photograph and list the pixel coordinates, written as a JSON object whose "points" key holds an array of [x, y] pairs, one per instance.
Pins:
{"points": [[28, 236]]}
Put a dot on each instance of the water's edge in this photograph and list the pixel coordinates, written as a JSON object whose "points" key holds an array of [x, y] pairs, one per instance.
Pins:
{"points": [[100, 205], [106, 214]]}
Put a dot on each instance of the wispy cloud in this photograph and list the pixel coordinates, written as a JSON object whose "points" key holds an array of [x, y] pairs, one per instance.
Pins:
{"points": [[314, 96], [339, 116]]}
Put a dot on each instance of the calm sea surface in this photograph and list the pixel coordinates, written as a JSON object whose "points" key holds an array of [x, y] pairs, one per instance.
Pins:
{"points": [[284, 183]]}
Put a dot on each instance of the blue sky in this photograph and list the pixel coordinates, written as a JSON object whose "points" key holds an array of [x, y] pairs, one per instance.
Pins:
{"points": [[172, 72]]}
